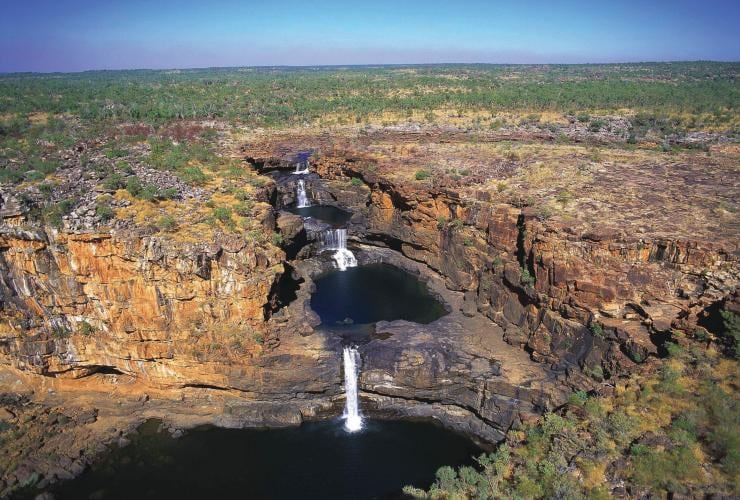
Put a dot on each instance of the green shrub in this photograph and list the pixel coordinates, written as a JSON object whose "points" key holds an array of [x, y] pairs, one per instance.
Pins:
{"points": [[167, 223], [133, 185], [525, 278], [421, 175], [731, 329], [240, 195], [193, 176], [222, 213], [114, 182], [456, 224], [104, 211], [277, 239], [53, 214], [244, 208], [86, 328], [666, 470], [169, 194], [638, 449], [578, 398], [46, 167], [564, 197], [46, 189], [10, 175], [669, 381], [595, 371], [258, 337], [596, 125], [115, 153], [673, 349], [597, 329], [148, 192], [124, 167], [356, 182], [34, 176], [60, 332]]}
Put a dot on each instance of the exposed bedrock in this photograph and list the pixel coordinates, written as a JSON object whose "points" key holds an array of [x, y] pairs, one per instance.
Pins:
{"points": [[536, 307], [457, 369], [167, 315], [580, 295]]}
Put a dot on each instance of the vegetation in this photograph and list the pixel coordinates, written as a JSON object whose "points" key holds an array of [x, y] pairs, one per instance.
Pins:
{"points": [[421, 175], [86, 328], [526, 277], [672, 430], [272, 96]]}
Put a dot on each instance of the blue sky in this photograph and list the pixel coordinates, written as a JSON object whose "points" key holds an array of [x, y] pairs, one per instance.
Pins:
{"points": [[74, 35]]}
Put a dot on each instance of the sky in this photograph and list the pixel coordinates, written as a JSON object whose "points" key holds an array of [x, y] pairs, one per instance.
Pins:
{"points": [[77, 35]]}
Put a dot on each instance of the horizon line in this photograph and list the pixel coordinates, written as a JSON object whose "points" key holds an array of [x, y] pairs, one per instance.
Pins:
{"points": [[366, 65]]}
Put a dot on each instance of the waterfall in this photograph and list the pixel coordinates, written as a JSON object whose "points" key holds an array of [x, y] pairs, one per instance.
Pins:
{"points": [[352, 418], [301, 167], [301, 196], [336, 239]]}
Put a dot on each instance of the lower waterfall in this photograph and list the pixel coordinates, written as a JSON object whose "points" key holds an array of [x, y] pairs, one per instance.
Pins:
{"points": [[352, 418], [336, 239]]}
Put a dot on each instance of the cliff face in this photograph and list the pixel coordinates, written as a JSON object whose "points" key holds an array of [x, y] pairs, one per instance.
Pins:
{"points": [[581, 295], [166, 314], [584, 299]]}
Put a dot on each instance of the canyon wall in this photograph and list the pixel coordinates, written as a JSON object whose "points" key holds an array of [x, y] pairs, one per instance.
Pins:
{"points": [[169, 315], [590, 297]]}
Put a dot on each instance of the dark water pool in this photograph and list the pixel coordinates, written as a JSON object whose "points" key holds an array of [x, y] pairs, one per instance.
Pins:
{"points": [[371, 293], [317, 460], [325, 213]]}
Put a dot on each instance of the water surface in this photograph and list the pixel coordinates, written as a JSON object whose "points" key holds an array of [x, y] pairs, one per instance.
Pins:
{"points": [[371, 293], [324, 213], [317, 460]]}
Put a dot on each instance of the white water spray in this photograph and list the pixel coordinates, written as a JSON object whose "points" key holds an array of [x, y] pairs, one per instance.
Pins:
{"points": [[301, 167], [336, 239], [352, 417], [301, 195]]}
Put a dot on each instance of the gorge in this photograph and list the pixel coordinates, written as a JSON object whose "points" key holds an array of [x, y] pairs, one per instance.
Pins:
{"points": [[376, 303]]}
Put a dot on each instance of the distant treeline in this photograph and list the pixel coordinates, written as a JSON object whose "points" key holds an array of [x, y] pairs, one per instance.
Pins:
{"points": [[277, 96]]}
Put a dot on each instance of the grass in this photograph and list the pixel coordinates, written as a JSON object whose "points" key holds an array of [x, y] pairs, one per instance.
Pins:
{"points": [[657, 439]]}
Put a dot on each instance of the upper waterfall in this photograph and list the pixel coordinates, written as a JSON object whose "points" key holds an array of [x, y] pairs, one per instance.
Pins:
{"points": [[301, 167]]}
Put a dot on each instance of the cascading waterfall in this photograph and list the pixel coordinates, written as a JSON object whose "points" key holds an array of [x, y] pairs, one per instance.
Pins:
{"points": [[336, 239], [301, 167], [301, 195], [352, 418]]}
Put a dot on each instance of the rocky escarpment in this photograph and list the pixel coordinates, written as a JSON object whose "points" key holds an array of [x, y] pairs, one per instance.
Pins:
{"points": [[167, 315], [577, 296], [537, 308]]}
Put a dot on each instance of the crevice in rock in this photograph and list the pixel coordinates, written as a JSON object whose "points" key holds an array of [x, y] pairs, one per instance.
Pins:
{"points": [[107, 370], [206, 386], [284, 291]]}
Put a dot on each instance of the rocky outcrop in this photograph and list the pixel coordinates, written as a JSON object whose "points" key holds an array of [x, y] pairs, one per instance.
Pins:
{"points": [[573, 296], [169, 315]]}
